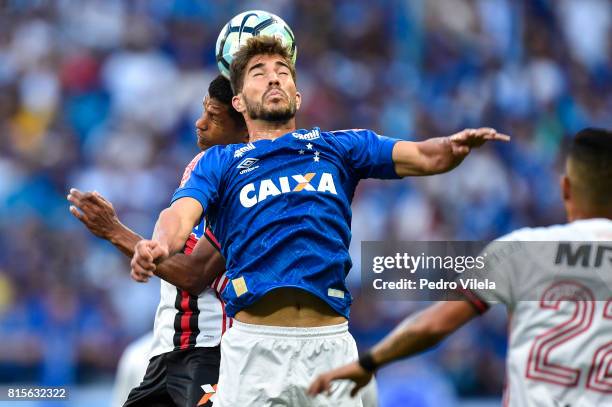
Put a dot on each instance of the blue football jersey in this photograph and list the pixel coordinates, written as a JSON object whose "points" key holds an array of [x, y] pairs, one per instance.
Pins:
{"points": [[281, 209]]}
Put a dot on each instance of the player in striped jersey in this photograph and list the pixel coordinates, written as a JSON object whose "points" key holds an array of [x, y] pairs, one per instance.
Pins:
{"points": [[559, 301], [191, 317]]}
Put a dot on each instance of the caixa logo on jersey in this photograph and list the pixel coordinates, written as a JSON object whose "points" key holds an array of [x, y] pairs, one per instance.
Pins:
{"points": [[253, 193]]}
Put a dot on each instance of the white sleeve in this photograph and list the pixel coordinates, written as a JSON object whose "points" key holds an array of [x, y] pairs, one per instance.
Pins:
{"points": [[131, 369], [502, 273]]}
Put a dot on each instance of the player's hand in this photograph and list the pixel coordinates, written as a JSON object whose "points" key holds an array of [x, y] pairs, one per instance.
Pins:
{"points": [[352, 371], [467, 139], [96, 213], [147, 254]]}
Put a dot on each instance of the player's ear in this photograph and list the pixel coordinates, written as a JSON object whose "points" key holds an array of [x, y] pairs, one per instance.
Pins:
{"points": [[566, 194], [298, 100], [238, 103], [565, 188]]}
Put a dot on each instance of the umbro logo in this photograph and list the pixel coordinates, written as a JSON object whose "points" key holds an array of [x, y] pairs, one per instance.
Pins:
{"points": [[247, 165], [247, 162]]}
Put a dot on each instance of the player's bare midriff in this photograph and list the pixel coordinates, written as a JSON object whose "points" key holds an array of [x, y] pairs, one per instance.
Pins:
{"points": [[290, 307]]}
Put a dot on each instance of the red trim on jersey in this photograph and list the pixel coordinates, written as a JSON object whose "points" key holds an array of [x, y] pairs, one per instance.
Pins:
{"points": [[480, 305], [211, 237], [189, 169], [225, 281], [186, 319], [224, 326], [191, 242], [185, 327], [185, 322], [215, 283]]}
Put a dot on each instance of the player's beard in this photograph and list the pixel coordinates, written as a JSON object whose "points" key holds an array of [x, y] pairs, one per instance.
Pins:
{"points": [[280, 114]]}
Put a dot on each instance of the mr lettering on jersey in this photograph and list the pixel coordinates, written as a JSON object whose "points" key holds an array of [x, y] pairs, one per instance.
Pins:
{"points": [[253, 193]]}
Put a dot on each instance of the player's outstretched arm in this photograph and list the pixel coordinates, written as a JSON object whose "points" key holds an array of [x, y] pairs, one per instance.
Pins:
{"points": [[171, 232], [99, 216], [192, 273], [438, 155], [415, 334]]}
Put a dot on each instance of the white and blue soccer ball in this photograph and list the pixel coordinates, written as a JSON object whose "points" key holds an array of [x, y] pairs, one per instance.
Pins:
{"points": [[246, 25]]}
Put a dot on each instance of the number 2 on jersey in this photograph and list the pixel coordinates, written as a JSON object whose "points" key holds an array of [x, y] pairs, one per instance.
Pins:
{"points": [[539, 366]]}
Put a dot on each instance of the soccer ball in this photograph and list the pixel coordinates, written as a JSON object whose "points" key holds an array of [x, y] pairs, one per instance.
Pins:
{"points": [[246, 25]]}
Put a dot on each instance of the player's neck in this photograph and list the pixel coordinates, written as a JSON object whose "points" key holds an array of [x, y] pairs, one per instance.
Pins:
{"points": [[590, 213], [266, 130]]}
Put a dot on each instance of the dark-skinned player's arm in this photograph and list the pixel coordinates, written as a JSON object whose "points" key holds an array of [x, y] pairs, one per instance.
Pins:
{"points": [[172, 229], [415, 334], [442, 154], [192, 273]]}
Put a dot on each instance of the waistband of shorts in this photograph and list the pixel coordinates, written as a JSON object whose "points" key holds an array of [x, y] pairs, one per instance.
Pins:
{"points": [[291, 332]]}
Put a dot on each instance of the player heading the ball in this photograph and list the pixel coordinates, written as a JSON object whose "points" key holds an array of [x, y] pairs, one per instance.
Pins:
{"points": [[287, 255]]}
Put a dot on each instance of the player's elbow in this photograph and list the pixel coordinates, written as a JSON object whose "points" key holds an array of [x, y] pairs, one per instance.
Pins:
{"points": [[194, 287], [203, 270], [192, 280]]}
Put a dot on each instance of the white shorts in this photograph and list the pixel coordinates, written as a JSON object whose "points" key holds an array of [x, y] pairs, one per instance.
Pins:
{"points": [[269, 366]]}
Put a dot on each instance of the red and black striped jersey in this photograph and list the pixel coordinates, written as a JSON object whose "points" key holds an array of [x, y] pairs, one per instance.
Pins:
{"points": [[183, 320]]}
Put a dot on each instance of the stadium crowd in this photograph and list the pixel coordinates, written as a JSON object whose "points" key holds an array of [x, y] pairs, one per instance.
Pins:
{"points": [[103, 95]]}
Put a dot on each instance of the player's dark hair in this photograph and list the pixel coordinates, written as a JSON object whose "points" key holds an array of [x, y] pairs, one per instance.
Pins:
{"points": [[590, 158], [220, 89], [259, 45]]}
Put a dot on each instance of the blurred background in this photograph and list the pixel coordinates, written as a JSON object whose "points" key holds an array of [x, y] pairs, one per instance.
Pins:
{"points": [[103, 94]]}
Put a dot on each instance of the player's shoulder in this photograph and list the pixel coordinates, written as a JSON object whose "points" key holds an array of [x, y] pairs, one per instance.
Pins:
{"points": [[190, 167], [348, 133], [210, 159], [533, 243], [236, 150], [520, 242], [316, 133], [347, 139], [221, 153], [529, 234], [586, 229]]}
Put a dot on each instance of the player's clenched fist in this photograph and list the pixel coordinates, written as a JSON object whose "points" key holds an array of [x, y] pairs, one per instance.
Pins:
{"points": [[147, 254]]}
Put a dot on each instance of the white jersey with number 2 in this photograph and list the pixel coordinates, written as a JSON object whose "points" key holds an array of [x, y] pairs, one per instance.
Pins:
{"points": [[559, 301]]}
